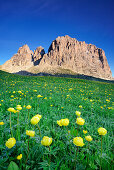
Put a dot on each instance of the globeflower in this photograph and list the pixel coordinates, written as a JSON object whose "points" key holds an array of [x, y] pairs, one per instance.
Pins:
{"points": [[102, 131], [10, 109], [39, 116], [19, 156], [88, 138], [80, 121], [65, 122], [78, 141], [20, 92], [78, 113], [19, 108], [1, 123], [35, 90], [84, 131], [46, 141], [18, 105], [30, 133], [39, 96], [10, 143], [59, 122], [28, 107], [35, 120], [15, 111]]}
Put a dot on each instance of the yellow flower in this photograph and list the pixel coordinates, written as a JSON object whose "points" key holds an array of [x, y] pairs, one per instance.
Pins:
{"points": [[19, 92], [35, 90], [102, 131], [39, 96], [10, 109], [91, 100], [80, 106], [30, 133], [12, 95], [15, 111], [10, 143], [28, 107], [78, 113], [88, 138], [19, 108], [1, 123], [46, 141], [84, 131], [0, 104], [35, 120], [80, 121], [18, 105], [59, 122], [65, 122], [78, 141], [19, 156], [39, 116]]}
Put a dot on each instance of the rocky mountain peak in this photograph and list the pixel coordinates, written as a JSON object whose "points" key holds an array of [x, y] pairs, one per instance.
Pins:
{"points": [[24, 49], [64, 53]]}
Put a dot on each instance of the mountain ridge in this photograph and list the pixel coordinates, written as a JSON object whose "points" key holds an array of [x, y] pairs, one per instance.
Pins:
{"points": [[63, 53]]}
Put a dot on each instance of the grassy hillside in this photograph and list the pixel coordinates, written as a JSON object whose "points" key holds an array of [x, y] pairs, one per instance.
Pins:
{"points": [[55, 98]]}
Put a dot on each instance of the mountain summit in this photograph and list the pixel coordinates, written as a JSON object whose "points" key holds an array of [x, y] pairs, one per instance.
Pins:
{"points": [[65, 55]]}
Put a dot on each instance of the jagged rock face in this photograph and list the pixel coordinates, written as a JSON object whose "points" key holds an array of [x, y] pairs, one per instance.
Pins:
{"points": [[82, 58], [64, 53], [20, 61], [38, 55]]}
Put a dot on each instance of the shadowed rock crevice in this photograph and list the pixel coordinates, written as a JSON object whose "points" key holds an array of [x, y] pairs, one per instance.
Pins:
{"points": [[38, 55]]}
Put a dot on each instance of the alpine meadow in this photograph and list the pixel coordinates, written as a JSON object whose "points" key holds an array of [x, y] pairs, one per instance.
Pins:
{"points": [[55, 123]]}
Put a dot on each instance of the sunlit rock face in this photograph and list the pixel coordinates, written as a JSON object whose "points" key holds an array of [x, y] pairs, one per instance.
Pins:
{"points": [[20, 61], [64, 53]]}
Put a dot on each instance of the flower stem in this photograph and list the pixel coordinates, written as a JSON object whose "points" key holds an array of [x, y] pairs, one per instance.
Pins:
{"points": [[27, 153], [76, 158], [28, 115], [101, 145], [39, 130], [77, 130], [101, 152], [18, 126], [49, 156], [10, 125], [88, 154]]}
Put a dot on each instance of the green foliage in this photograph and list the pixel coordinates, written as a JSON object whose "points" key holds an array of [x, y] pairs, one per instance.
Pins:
{"points": [[61, 98], [13, 166]]}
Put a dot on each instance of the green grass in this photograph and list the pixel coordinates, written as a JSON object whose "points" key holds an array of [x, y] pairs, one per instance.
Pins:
{"points": [[61, 98]]}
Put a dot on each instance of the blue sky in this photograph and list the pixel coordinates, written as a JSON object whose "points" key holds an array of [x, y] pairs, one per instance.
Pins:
{"points": [[39, 22]]}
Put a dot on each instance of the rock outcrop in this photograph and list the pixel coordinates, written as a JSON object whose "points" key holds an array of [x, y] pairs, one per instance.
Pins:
{"points": [[82, 58], [20, 61], [65, 53], [38, 55]]}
